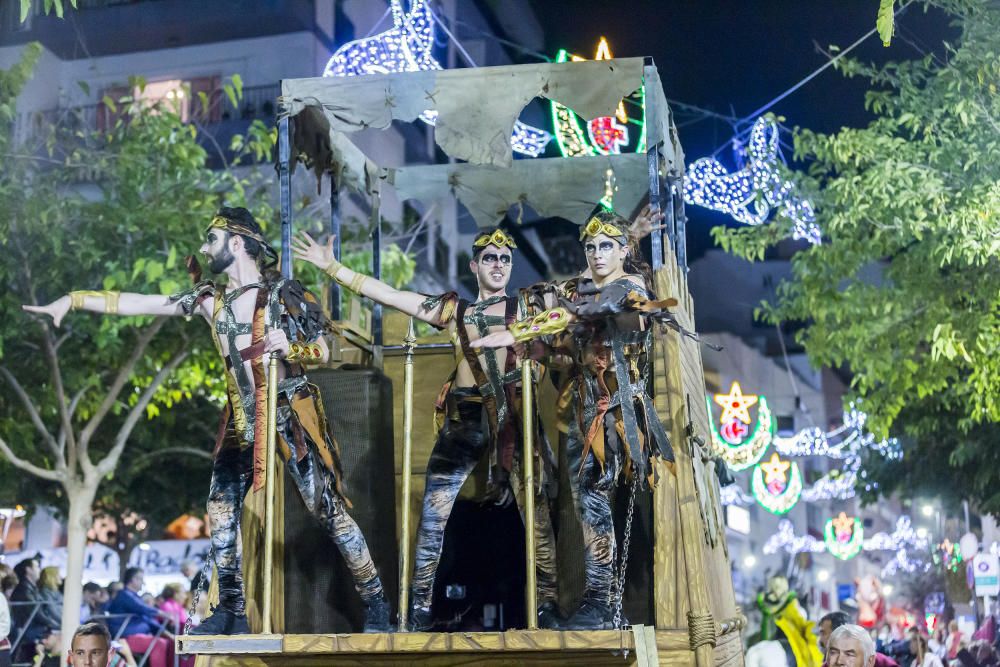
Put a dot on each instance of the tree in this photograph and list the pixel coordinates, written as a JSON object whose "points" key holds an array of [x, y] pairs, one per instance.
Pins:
{"points": [[904, 291], [101, 209]]}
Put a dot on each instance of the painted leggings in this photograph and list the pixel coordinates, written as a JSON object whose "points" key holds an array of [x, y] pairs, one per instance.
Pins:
{"points": [[459, 447], [232, 475], [592, 490]]}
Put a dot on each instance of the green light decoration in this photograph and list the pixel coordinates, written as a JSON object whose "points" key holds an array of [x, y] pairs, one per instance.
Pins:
{"points": [[747, 453], [777, 485], [844, 536], [602, 136]]}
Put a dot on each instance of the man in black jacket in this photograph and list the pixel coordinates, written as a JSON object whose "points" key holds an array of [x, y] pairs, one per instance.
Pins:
{"points": [[39, 622]]}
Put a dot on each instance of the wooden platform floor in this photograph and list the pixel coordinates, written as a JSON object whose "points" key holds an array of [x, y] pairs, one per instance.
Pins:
{"points": [[514, 647]]}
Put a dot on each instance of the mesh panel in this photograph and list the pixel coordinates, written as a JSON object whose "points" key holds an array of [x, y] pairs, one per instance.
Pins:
{"points": [[319, 591]]}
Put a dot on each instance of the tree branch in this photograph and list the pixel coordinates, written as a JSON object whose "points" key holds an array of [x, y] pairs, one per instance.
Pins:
{"points": [[36, 419], [27, 466], [108, 463], [61, 403], [109, 400], [140, 461]]}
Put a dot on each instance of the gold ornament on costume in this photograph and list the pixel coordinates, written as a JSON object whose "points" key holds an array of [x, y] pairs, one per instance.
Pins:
{"points": [[305, 353], [597, 226], [497, 237], [110, 299], [546, 322]]}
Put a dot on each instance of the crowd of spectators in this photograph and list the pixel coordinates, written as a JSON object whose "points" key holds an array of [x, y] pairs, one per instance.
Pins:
{"points": [[941, 648], [130, 625]]}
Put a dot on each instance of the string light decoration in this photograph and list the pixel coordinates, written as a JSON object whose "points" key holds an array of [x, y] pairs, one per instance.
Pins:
{"points": [[738, 452], [786, 540], [904, 541], [777, 485], [751, 193], [407, 47], [947, 554], [842, 442], [844, 536], [605, 135]]}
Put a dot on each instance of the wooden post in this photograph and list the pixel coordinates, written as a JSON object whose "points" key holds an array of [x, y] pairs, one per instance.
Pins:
{"points": [[404, 540], [269, 472], [528, 483]]}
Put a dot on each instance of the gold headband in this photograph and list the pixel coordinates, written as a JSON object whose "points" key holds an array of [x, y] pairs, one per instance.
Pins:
{"points": [[234, 227], [595, 227], [499, 238]]}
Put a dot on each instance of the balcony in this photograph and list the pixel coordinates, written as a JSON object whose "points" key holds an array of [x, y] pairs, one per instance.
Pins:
{"points": [[216, 125]]}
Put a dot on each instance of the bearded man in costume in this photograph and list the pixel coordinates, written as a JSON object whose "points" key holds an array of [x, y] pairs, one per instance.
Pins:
{"points": [[784, 621], [256, 313], [479, 409], [603, 328]]}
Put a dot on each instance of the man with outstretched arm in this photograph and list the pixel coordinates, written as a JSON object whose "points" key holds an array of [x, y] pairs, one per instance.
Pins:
{"points": [[480, 408], [257, 313]]}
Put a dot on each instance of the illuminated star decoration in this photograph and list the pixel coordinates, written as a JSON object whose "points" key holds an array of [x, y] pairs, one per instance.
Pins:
{"points": [[406, 47], [735, 405], [844, 536], [751, 193], [728, 444], [601, 136], [774, 490]]}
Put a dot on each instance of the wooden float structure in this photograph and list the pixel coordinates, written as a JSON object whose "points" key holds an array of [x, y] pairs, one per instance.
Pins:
{"points": [[693, 619]]}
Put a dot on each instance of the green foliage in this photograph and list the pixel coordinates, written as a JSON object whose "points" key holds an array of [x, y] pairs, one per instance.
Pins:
{"points": [[48, 6], [112, 208], [905, 289], [885, 21]]}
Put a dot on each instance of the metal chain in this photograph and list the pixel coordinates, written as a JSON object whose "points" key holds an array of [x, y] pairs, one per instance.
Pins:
{"points": [[206, 570], [623, 563]]}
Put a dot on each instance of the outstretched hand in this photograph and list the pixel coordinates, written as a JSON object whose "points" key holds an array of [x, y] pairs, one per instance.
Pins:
{"points": [[56, 310], [645, 223], [306, 248], [496, 339]]}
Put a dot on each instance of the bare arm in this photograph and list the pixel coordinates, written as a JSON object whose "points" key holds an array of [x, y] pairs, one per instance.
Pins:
{"points": [[411, 303], [128, 303]]}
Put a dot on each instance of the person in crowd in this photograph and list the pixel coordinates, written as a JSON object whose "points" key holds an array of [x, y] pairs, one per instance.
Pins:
{"points": [[837, 619], [954, 639], [850, 646], [143, 622], [191, 572], [94, 600], [47, 650], [41, 620], [828, 624], [8, 580], [4, 626], [92, 646], [114, 588], [50, 588], [923, 656], [172, 605]]}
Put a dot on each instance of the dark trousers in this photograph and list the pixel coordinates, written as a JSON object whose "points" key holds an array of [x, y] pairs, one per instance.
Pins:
{"points": [[232, 475], [460, 445], [592, 488]]}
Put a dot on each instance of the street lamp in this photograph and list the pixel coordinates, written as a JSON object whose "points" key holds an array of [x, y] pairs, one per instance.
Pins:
{"points": [[749, 561], [922, 533], [887, 590], [823, 576], [927, 510]]}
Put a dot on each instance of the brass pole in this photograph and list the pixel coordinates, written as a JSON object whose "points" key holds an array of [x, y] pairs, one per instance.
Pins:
{"points": [[269, 482], [404, 541], [528, 483]]}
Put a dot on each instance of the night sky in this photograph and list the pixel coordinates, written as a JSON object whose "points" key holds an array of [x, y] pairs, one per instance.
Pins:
{"points": [[733, 56]]}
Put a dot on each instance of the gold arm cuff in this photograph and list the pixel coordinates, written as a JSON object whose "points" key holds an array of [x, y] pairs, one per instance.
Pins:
{"points": [[546, 322], [356, 282], [76, 299], [332, 268], [305, 353]]}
